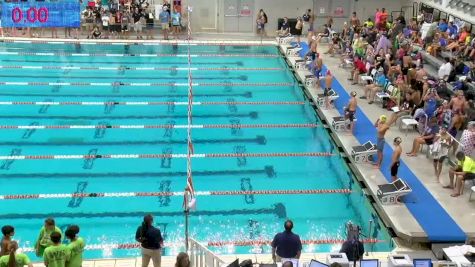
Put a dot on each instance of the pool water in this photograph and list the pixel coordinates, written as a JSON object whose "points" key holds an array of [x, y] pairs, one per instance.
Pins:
{"points": [[108, 221]]}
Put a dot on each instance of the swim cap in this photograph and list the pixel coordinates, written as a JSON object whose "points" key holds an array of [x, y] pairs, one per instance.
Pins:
{"points": [[328, 72], [383, 118], [353, 93], [397, 140]]}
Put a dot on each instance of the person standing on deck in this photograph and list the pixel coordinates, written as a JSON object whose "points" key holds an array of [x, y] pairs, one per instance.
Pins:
{"points": [[350, 110], [382, 127], [395, 158]]}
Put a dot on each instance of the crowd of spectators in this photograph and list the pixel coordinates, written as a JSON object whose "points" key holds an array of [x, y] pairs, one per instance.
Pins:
{"points": [[122, 19], [393, 54]]}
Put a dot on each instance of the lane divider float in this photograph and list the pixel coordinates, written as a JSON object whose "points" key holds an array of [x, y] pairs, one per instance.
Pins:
{"points": [[161, 126], [158, 194], [172, 84], [146, 103], [9, 53], [161, 156]]}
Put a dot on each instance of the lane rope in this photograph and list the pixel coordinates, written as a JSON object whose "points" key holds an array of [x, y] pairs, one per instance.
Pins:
{"points": [[146, 103], [162, 126], [237, 243], [173, 84], [171, 194], [160, 156], [135, 42], [67, 54], [127, 68]]}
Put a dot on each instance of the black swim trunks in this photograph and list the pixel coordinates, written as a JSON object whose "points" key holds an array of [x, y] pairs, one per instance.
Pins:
{"points": [[350, 115], [326, 91], [395, 168]]}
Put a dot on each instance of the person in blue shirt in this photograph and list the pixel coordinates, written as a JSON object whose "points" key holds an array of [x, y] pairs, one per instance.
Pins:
{"points": [[176, 22], [443, 25], [451, 30], [164, 18], [376, 86]]}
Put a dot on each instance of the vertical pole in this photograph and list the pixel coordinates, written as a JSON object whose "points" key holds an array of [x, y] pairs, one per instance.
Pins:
{"points": [[369, 234], [187, 241]]}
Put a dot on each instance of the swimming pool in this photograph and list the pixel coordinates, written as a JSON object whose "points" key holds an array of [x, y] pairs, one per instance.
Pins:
{"points": [[71, 99]]}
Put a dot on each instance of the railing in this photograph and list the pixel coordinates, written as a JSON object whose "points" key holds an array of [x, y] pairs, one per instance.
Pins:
{"points": [[200, 256]]}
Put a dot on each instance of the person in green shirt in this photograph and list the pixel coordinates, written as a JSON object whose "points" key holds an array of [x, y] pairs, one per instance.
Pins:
{"points": [[467, 173], [13, 259], [44, 238], [57, 254], [76, 246]]}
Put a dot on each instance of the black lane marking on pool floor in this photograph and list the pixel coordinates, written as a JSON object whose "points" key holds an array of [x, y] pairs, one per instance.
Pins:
{"points": [[268, 171], [28, 132], [88, 163], [245, 95], [166, 163], [75, 202], [252, 115], [240, 149], [165, 187], [185, 62], [277, 209], [8, 162], [247, 187]]}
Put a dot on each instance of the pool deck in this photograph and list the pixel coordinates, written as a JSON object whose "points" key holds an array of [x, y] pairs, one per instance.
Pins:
{"points": [[398, 217]]}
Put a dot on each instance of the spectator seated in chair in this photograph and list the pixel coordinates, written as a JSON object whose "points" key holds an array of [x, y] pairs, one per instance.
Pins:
{"points": [[427, 137]]}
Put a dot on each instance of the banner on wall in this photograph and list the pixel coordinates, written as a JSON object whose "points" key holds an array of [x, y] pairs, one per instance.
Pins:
{"points": [[339, 11], [245, 11]]}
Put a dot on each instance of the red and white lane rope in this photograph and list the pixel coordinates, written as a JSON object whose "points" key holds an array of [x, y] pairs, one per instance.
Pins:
{"points": [[190, 150], [136, 42], [159, 156], [237, 243], [146, 103], [55, 54], [171, 194], [161, 126], [135, 68], [9, 83]]}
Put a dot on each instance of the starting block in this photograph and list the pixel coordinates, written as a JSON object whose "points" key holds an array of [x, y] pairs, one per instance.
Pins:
{"points": [[390, 193], [310, 80], [332, 96], [364, 152], [300, 64], [341, 124], [285, 39], [293, 51]]}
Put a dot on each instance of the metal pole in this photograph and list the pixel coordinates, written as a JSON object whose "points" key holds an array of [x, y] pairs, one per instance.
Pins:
{"points": [[187, 214], [369, 234]]}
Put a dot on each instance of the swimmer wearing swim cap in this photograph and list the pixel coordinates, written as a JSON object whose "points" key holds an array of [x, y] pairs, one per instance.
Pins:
{"points": [[350, 111], [382, 128], [395, 157]]}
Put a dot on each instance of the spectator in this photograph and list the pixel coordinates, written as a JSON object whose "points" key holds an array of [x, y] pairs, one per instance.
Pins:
{"points": [[164, 18], [76, 246], [44, 238], [149, 21], [298, 30], [286, 244], [373, 88], [404, 109], [468, 140], [13, 259], [359, 68], [182, 260], [176, 23], [354, 20], [445, 69], [443, 26], [137, 18], [467, 173], [96, 33], [308, 19], [284, 28], [440, 150], [354, 249], [151, 241], [261, 23], [8, 232], [427, 137], [57, 254]]}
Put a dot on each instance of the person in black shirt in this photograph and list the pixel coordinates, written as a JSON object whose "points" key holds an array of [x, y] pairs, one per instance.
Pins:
{"points": [[353, 248], [286, 244], [151, 241]]}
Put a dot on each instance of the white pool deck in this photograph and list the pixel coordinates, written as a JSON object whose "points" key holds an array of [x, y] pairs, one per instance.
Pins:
{"points": [[396, 216]]}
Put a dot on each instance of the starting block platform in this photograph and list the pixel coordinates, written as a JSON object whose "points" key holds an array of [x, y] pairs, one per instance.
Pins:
{"points": [[390, 193], [363, 153]]}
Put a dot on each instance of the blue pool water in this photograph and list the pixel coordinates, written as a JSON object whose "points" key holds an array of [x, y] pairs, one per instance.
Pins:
{"points": [[217, 218]]}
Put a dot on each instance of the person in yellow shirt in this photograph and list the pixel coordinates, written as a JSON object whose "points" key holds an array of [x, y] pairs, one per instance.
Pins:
{"points": [[44, 238], [467, 173], [14, 259]]}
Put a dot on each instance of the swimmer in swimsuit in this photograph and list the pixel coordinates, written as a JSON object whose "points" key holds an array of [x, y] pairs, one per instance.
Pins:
{"points": [[395, 158], [351, 110], [382, 128]]}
